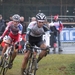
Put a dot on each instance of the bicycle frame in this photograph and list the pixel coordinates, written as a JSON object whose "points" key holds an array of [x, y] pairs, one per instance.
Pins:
{"points": [[32, 62]]}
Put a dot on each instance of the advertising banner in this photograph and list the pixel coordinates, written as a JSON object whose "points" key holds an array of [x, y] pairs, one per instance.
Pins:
{"points": [[68, 35]]}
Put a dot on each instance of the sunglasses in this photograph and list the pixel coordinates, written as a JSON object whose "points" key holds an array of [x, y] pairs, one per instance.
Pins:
{"points": [[41, 22]]}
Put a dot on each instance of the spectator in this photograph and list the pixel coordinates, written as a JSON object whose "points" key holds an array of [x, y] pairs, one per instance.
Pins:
{"points": [[57, 28], [23, 23], [4, 26], [10, 18], [2, 23], [33, 19], [22, 42]]}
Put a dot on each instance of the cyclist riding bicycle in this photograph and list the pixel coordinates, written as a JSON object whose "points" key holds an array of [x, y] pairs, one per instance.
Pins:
{"points": [[14, 31], [34, 34]]}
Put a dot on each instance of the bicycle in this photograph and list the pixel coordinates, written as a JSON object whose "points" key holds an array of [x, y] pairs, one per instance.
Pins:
{"points": [[32, 61], [6, 60]]}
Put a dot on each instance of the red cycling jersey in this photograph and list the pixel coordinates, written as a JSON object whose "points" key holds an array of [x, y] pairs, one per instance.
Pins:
{"points": [[13, 31]]}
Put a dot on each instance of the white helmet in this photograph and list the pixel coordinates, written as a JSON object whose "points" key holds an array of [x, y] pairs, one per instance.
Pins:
{"points": [[41, 16], [16, 17]]}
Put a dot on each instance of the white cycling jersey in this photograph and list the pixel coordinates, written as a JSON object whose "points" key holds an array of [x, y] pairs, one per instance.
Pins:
{"points": [[35, 30]]}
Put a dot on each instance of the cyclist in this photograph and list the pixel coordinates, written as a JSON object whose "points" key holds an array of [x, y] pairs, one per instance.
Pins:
{"points": [[13, 30], [34, 34]]}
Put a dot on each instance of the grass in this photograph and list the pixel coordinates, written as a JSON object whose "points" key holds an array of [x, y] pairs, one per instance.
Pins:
{"points": [[54, 64]]}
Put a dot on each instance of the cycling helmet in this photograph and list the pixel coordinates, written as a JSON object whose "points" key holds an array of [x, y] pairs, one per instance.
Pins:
{"points": [[41, 16], [16, 17]]}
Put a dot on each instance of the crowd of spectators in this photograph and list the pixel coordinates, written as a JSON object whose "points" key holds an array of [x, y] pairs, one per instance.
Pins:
{"points": [[2, 24]]}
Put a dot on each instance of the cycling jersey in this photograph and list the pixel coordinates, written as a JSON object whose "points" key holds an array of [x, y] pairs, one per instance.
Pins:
{"points": [[14, 31], [34, 29]]}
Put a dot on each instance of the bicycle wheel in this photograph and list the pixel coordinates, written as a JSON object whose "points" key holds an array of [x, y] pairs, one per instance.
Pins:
{"points": [[34, 67], [5, 68], [2, 66], [28, 68], [6, 64], [1, 69]]}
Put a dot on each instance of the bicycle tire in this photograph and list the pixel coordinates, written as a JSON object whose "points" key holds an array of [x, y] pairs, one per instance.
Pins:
{"points": [[28, 69], [2, 66], [6, 65], [1, 69], [34, 66], [5, 69]]}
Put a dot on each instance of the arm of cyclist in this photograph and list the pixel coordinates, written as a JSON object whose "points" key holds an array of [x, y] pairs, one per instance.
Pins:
{"points": [[20, 33], [46, 28], [31, 24], [28, 33], [17, 43], [27, 36]]}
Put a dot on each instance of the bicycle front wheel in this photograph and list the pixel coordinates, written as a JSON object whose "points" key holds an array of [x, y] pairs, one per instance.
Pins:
{"points": [[4, 71], [5, 68], [2, 66], [1, 69], [34, 67], [6, 64]]}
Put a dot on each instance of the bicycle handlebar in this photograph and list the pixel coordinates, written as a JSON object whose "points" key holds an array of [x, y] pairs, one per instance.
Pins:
{"points": [[38, 48]]}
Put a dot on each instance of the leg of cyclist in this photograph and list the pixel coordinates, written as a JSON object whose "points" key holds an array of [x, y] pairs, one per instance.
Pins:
{"points": [[3, 50], [43, 52], [14, 54], [24, 62], [7, 42]]}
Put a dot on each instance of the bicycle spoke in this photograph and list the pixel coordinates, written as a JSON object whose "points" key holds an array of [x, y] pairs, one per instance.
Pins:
{"points": [[34, 67], [2, 66], [5, 65]]}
